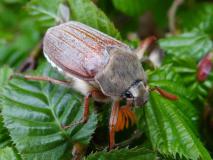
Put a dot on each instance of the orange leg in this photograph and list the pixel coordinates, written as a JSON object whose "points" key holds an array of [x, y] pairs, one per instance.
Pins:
{"points": [[96, 94], [86, 107], [112, 123]]}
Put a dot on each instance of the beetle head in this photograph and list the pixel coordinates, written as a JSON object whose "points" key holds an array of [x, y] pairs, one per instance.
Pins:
{"points": [[123, 77], [138, 92]]}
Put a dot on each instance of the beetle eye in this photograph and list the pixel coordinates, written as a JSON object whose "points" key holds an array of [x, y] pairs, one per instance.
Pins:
{"points": [[128, 94]]}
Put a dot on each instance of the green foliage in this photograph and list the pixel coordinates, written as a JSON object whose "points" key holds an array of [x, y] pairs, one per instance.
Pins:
{"points": [[5, 73], [196, 44], [45, 12], [170, 131], [171, 124], [186, 67], [203, 21], [16, 46], [126, 153], [94, 16], [132, 8], [8, 153], [35, 113], [4, 135], [139, 7]]}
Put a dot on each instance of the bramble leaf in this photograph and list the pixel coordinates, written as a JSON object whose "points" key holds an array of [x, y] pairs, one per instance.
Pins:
{"points": [[203, 21], [126, 153], [4, 135], [35, 113], [195, 44], [8, 153], [172, 125], [94, 17], [169, 130], [139, 7], [44, 12], [167, 79], [132, 8], [186, 68], [5, 73], [17, 46]]}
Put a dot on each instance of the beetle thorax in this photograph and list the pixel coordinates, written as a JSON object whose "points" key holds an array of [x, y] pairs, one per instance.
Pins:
{"points": [[121, 71]]}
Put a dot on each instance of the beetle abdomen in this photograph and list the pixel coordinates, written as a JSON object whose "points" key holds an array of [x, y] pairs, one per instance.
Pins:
{"points": [[78, 49]]}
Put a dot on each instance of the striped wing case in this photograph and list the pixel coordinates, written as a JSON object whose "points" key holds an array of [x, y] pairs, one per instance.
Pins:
{"points": [[78, 50]]}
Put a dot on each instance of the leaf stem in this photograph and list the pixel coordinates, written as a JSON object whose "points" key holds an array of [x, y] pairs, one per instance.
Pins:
{"points": [[172, 15]]}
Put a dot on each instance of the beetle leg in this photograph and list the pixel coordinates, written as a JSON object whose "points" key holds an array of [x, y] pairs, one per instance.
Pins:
{"points": [[91, 94], [94, 94], [86, 108], [112, 123], [43, 78], [144, 46], [85, 115]]}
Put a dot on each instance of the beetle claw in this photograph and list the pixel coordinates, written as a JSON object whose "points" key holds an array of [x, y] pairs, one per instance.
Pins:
{"points": [[82, 121]]}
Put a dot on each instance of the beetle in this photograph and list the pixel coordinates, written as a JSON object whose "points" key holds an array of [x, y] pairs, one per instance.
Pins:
{"points": [[100, 67]]}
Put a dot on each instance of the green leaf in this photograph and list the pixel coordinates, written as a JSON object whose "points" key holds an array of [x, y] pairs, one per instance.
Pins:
{"points": [[93, 17], [35, 113], [8, 153], [186, 68], [126, 153], [4, 135], [139, 7], [5, 73], [21, 36], [15, 1], [44, 12], [169, 131], [203, 20], [195, 44], [167, 79], [132, 8], [172, 126]]}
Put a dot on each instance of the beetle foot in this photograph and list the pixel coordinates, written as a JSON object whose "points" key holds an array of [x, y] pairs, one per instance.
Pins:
{"points": [[82, 121]]}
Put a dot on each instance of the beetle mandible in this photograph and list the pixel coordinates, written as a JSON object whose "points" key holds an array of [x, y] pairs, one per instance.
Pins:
{"points": [[98, 66]]}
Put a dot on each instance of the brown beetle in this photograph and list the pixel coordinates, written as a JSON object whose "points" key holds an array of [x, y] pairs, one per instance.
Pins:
{"points": [[98, 66]]}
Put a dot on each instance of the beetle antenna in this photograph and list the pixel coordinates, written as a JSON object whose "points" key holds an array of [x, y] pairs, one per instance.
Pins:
{"points": [[164, 93]]}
